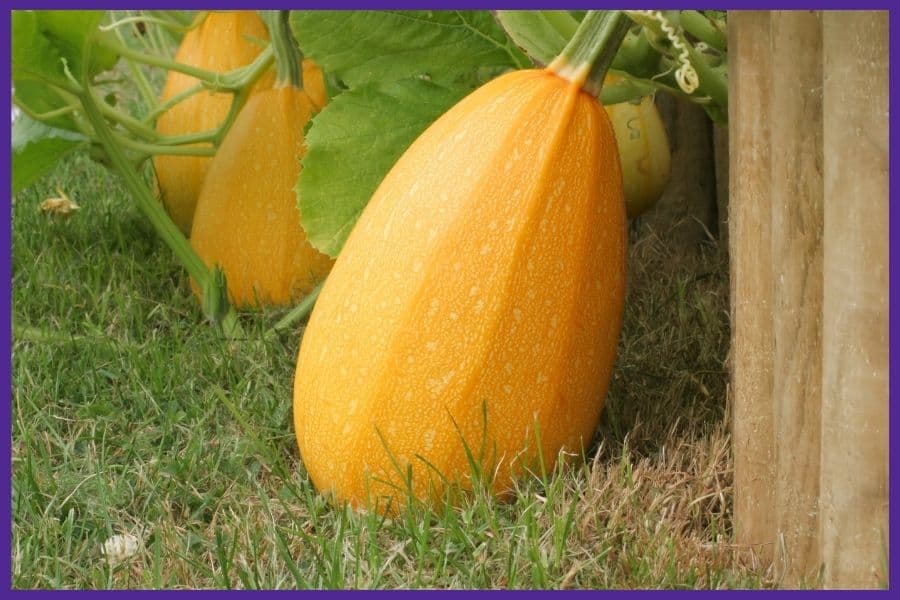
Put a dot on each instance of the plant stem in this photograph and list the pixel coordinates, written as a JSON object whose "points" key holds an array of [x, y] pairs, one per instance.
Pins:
{"points": [[713, 83], [143, 85], [173, 150], [296, 314], [163, 107], [698, 25], [288, 58], [230, 81], [590, 52], [148, 205]]}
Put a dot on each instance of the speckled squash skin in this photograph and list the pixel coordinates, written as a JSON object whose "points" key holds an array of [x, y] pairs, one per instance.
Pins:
{"points": [[221, 43], [247, 220], [224, 41], [643, 151], [486, 276]]}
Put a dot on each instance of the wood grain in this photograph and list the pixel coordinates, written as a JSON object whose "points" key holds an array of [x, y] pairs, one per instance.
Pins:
{"points": [[854, 480], [797, 226], [751, 280]]}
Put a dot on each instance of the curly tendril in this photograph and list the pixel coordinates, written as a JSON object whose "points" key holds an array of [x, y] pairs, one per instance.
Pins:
{"points": [[685, 75]]}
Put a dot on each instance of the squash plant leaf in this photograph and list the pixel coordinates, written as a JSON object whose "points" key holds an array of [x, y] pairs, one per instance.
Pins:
{"points": [[353, 143], [70, 31], [361, 47], [542, 34], [44, 43], [36, 148]]}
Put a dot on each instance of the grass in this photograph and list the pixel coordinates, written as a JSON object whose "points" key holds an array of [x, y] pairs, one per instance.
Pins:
{"points": [[131, 416]]}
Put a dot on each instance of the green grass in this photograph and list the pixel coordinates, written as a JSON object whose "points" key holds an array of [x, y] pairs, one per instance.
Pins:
{"points": [[130, 415]]}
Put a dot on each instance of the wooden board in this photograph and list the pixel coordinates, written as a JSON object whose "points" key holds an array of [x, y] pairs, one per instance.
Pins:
{"points": [[797, 225], [749, 239], [854, 483]]}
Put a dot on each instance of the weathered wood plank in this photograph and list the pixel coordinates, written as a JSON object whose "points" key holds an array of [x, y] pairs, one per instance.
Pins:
{"points": [[854, 484], [751, 279], [797, 225]]}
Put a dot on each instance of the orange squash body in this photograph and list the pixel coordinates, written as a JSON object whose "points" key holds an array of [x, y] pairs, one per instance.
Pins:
{"points": [[643, 152], [224, 41], [485, 276], [247, 220], [221, 43]]}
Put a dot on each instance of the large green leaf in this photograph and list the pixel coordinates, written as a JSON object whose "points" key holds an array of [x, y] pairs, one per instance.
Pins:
{"points": [[36, 148], [75, 34], [542, 34], [351, 146], [33, 56], [361, 47], [44, 45]]}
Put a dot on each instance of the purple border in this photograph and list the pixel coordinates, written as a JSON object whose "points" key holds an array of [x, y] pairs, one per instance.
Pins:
{"points": [[6, 325], [450, 4], [6, 231]]}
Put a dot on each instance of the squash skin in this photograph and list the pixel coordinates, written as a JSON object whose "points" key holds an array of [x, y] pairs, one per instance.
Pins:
{"points": [[643, 151], [247, 220], [486, 276], [221, 43]]}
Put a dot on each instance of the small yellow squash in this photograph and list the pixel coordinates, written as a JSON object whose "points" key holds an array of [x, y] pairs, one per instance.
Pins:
{"points": [[643, 151], [477, 302], [247, 220], [224, 41]]}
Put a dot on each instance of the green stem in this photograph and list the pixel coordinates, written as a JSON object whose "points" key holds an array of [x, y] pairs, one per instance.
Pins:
{"points": [[146, 18], [590, 52], [143, 85], [151, 208], [712, 82], [154, 149], [230, 81], [179, 97], [288, 57], [297, 313], [636, 56], [698, 25]]}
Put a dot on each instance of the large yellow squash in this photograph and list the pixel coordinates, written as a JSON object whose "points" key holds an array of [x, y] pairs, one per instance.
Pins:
{"points": [[247, 220], [478, 299], [224, 41]]}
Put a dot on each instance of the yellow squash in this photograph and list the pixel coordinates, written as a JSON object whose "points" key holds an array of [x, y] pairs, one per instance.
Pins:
{"points": [[478, 299], [643, 151], [247, 220], [224, 41]]}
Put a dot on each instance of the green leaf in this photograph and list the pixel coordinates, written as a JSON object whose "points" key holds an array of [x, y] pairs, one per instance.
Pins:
{"points": [[36, 148], [44, 43], [542, 34], [33, 56], [361, 47], [351, 146], [73, 33]]}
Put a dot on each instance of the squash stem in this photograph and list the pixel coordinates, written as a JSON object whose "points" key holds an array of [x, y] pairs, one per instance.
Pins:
{"points": [[589, 54], [297, 313], [288, 57], [148, 205]]}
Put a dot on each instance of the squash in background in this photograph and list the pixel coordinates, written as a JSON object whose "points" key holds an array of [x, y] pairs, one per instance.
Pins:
{"points": [[643, 151], [247, 220], [478, 298], [221, 43]]}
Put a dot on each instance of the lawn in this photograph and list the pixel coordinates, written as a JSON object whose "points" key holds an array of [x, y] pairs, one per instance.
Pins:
{"points": [[132, 416]]}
